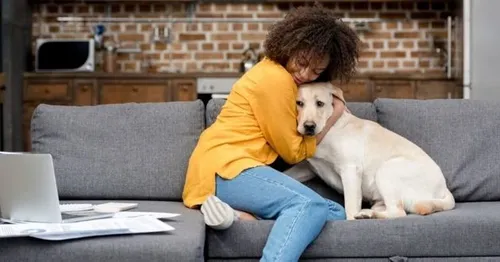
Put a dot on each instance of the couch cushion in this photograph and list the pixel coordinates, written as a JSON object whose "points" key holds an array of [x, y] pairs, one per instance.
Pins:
{"points": [[314, 260], [363, 110], [469, 230], [390, 259], [360, 109], [185, 243], [462, 136], [137, 151], [214, 106]]}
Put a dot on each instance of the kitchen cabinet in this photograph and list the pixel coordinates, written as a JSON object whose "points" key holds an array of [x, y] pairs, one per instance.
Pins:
{"points": [[367, 90], [133, 91], [84, 92], [47, 89], [434, 89], [392, 89], [184, 90], [114, 1], [356, 90], [107, 90]]}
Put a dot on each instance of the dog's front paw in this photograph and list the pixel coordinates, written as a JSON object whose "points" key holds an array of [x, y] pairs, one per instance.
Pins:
{"points": [[364, 214]]}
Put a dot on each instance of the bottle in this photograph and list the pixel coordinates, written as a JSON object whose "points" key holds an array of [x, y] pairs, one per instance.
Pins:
{"points": [[249, 60], [110, 62]]}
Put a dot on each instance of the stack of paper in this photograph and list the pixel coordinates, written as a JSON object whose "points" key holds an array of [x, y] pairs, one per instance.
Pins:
{"points": [[121, 224]]}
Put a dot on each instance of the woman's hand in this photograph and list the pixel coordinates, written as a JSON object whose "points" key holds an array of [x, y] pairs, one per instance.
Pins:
{"points": [[338, 109]]}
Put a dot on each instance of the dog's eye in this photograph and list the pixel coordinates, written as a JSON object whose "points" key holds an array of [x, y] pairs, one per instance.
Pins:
{"points": [[300, 103], [320, 104]]}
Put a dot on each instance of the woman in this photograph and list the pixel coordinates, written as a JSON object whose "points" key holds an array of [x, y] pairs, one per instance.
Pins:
{"points": [[230, 165]]}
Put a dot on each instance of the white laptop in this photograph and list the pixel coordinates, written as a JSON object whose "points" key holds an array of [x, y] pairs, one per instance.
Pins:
{"points": [[28, 190]]}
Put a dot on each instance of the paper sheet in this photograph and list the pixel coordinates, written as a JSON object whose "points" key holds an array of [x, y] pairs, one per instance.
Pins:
{"points": [[100, 227], [157, 215]]}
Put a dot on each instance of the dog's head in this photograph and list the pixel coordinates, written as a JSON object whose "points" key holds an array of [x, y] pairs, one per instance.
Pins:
{"points": [[315, 106]]}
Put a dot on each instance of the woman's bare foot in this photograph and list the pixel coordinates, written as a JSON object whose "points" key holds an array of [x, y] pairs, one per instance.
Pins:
{"points": [[245, 216]]}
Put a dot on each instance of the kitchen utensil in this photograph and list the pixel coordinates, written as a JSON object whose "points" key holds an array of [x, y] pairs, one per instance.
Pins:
{"points": [[249, 60]]}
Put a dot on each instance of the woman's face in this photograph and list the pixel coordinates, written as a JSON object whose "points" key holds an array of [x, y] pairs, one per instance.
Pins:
{"points": [[304, 71]]}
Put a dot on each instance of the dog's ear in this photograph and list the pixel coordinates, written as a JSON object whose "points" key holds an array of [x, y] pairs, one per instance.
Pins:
{"points": [[337, 92]]}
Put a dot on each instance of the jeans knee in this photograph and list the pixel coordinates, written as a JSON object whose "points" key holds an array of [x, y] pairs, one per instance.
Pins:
{"points": [[317, 209], [320, 207], [336, 211]]}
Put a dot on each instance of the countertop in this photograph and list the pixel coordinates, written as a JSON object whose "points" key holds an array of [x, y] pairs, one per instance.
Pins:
{"points": [[388, 76], [119, 75]]}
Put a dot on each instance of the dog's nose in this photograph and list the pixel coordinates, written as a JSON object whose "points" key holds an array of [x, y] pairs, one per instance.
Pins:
{"points": [[309, 127]]}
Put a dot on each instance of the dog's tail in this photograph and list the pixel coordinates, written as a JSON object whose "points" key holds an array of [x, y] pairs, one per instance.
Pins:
{"points": [[426, 207]]}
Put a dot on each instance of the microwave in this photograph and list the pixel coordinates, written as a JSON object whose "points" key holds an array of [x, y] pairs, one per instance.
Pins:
{"points": [[65, 55]]}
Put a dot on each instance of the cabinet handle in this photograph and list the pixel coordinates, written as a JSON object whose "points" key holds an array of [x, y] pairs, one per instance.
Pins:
{"points": [[135, 89], [85, 88]]}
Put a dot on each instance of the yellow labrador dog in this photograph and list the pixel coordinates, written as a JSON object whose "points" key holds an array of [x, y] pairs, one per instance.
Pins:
{"points": [[364, 161]]}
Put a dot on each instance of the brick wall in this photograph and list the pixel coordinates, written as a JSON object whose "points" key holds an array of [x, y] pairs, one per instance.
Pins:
{"points": [[391, 46]]}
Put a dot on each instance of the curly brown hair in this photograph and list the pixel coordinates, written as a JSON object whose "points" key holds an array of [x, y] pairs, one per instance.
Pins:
{"points": [[309, 33]]}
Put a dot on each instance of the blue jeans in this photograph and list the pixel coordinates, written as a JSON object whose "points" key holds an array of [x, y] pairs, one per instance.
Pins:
{"points": [[299, 212]]}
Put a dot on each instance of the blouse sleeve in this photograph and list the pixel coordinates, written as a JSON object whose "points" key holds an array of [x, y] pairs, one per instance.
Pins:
{"points": [[273, 104]]}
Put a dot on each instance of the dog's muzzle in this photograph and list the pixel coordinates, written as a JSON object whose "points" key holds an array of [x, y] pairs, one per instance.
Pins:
{"points": [[309, 128]]}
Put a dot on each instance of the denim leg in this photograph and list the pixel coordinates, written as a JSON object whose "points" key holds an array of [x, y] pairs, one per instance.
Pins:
{"points": [[335, 211], [299, 212]]}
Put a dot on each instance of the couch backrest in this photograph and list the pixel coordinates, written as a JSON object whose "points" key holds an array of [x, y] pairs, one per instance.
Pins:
{"points": [[119, 151], [141, 151], [363, 110], [462, 136], [360, 109], [214, 106]]}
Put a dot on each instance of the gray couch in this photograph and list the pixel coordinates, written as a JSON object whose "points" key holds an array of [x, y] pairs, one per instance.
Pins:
{"points": [[139, 152]]}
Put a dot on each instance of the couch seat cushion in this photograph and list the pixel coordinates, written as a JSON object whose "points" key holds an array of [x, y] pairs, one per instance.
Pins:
{"points": [[472, 229], [185, 243], [460, 135]]}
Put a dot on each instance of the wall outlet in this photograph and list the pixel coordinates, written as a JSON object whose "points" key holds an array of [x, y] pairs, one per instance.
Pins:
{"points": [[157, 35], [161, 34]]}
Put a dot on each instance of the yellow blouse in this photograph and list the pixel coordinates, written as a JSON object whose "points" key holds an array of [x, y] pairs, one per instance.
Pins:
{"points": [[257, 123]]}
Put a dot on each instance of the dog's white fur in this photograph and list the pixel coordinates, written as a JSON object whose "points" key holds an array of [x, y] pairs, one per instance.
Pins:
{"points": [[364, 161]]}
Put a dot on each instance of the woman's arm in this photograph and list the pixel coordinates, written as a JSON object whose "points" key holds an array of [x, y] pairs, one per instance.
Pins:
{"points": [[338, 109], [273, 105]]}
